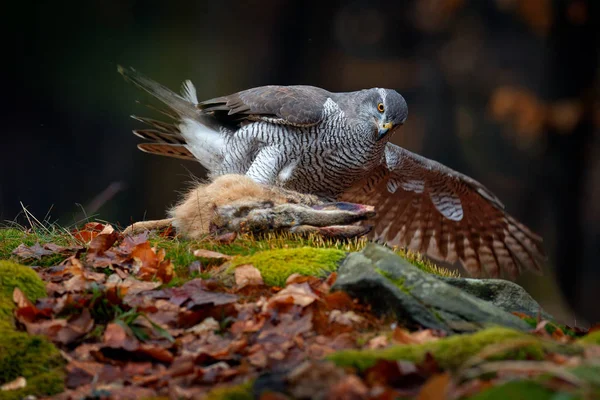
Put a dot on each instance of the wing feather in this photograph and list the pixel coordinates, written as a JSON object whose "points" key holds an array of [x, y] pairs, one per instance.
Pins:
{"points": [[289, 105], [432, 209]]}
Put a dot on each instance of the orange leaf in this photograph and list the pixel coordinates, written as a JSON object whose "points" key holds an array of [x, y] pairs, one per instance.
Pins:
{"points": [[435, 388]]}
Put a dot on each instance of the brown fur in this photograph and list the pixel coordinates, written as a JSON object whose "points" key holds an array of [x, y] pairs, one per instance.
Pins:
{"points": [[193, 215]]}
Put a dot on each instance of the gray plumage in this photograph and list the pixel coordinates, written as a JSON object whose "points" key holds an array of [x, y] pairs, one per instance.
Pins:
{"points": [[336, 146]]}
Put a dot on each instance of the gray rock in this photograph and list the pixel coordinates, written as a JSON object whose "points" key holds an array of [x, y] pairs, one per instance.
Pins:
{"points": [[391, 284], [504, 294]]}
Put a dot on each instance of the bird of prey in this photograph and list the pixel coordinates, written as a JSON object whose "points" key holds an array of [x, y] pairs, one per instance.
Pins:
{"points": [[336, 146]]}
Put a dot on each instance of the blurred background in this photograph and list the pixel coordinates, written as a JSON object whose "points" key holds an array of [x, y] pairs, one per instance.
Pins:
{"points": [[505, 91]]}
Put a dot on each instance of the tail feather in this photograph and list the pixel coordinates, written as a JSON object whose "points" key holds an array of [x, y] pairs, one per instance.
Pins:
{"points": [[182, 106], [169, 150], [160, 137], [193, 136], [160, 125]]}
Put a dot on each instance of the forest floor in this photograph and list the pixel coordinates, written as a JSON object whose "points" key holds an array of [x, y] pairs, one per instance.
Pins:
{"points": [[91, 313]]}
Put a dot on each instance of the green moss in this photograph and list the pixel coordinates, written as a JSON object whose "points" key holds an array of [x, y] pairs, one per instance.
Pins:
{"points": [[518, 390], [277, 265], [425, 265], [398, 282], [234, 392], [450, 352], [180, 250], [33, 357], [591, 338]]}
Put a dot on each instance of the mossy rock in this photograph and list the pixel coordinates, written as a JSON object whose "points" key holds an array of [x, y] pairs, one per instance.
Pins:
{"points": [[449, 352], [33, 357], [277, 265]]}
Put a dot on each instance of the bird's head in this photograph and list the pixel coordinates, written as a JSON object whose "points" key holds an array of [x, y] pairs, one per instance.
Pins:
{"points": [[385, 108]]}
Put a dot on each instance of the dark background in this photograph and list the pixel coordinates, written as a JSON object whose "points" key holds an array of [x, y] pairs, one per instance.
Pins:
{"points": [[502, 90]]}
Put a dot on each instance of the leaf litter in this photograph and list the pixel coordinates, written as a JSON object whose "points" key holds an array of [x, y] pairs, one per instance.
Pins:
{"points": [[126, 333]]}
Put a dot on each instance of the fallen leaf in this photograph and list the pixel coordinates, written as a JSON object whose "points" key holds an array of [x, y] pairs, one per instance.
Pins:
{"points": [[312, 379], [102, 242], [208, 325], [26, 311], [115, 336], [435, 388], [193, 293], [88, 232], [247, 275], [36, 251], [150, 264], [107, 230], [62, 330], [17, 384], [200, 298], [349, 387], [403, 336], [348, 318], [211, 255], [297, 293]]}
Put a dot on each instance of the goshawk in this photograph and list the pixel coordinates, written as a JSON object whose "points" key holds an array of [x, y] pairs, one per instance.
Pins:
{"points": [[336, 146]]}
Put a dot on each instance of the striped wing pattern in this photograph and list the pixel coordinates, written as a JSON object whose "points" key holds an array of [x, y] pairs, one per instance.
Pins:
{"points": [[426, 207]]}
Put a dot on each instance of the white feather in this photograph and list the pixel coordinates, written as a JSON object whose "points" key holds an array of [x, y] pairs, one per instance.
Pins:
{"points": [[286, 172], [204, 143], [188, 91]]}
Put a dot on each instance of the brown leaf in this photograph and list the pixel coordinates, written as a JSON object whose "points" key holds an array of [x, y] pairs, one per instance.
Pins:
{"points": [[130, 242], [201, 298], [349, 387], [150, 264], [312, 379], [398, 374], [193, 293], [403, 336], [155, 352], [165, 271], [211, 255], [88, 232], [62, 330], [102, 242], [247, 275], [298, 294], [435, 388], [36, 251], [81, 372], [76, 328], [26, 311], [116, 337]]}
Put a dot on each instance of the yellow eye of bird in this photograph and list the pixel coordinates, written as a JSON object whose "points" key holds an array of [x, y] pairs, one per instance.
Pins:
{"points": [[380, 107]]}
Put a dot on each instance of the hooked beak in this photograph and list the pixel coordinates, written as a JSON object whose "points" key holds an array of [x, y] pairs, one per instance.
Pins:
{"points": [[384, 128]]}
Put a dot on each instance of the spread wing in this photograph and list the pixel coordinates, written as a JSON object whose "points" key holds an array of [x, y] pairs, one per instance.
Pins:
{"points": [[434, 210], [290, 105]]}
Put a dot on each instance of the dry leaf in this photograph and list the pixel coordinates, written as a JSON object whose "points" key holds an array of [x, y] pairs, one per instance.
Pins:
{"points": [[208, 325], [435, 388], [247, 275], [17, 384], [211, 255], [345, 318], [297, 293], [36, 251]]}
